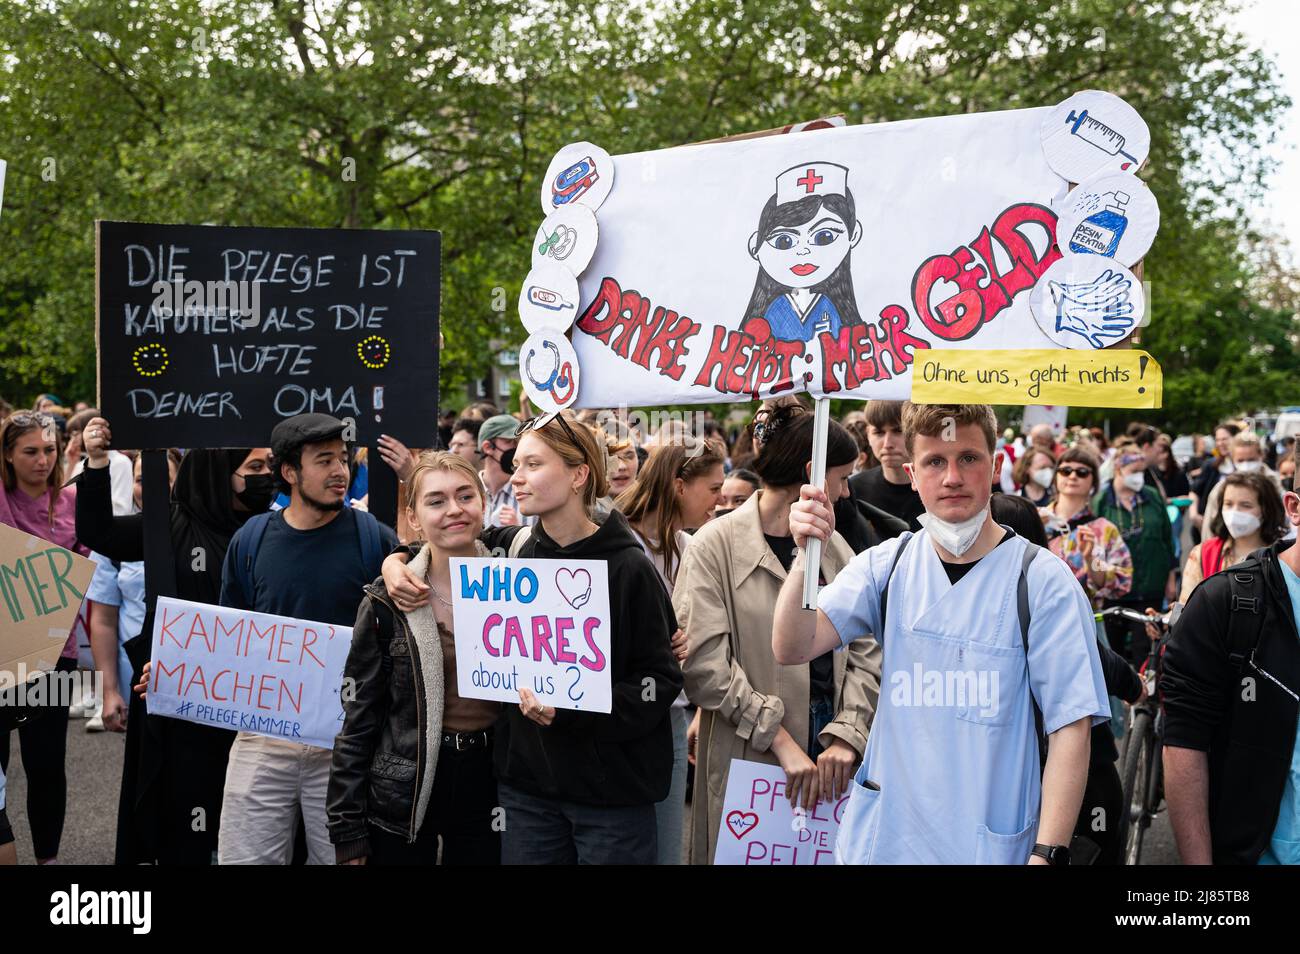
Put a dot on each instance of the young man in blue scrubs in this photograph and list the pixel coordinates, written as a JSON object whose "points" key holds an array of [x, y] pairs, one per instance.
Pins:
{"points": [[1230, 680], [952, 772]]}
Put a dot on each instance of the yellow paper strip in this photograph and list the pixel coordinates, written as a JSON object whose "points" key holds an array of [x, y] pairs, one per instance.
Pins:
{"points": [[1106, 378]]}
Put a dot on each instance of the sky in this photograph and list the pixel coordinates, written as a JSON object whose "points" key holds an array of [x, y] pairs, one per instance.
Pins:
{"points": [[1274, 26]]}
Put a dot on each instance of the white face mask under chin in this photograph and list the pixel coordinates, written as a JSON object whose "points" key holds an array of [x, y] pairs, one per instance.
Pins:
{"points": [[956, 538]]}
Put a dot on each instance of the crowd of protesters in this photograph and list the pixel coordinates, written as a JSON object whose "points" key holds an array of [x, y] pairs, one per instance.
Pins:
{"points": [[704, 526]]}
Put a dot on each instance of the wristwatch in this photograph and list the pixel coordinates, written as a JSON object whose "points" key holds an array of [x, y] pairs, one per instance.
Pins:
{"points": [[1054, 854]]}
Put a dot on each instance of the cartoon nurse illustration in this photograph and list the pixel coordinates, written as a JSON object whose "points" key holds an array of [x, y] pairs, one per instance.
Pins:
{"points": [[802, 245]]}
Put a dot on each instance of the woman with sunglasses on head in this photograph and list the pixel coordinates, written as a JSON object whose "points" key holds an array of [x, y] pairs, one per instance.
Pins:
{"points": [[677, 491], [1091, 545], [581, 787], [34, 500]]}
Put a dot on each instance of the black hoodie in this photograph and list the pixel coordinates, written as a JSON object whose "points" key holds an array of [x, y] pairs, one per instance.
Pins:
{"points": [[624, 757]]}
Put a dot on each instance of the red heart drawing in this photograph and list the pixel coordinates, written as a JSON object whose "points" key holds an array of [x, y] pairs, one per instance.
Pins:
{"points": [[742, 823]]}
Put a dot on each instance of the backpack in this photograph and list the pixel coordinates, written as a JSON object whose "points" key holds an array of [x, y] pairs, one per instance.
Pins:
{"points": [[1246, 611], [249, 541]]}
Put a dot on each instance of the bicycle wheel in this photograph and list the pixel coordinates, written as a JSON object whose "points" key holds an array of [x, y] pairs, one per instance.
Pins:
{"points": [[1137, 785]]}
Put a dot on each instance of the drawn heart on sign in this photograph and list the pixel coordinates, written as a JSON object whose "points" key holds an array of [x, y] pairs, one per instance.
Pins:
{"points": [[574, 586], [741, 823]]}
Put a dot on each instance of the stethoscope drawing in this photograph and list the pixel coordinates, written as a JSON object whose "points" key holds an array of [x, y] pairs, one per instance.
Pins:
{"points": [[561, 375]]}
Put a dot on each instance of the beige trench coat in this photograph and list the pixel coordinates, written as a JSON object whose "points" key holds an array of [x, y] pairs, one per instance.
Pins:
{"points": [[725, 596]]}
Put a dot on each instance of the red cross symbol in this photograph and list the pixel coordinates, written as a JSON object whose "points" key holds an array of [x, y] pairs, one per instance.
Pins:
{"points": [[809, 181]]}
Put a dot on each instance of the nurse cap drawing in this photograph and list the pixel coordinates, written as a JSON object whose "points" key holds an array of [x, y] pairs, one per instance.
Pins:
{"points": [[805, 233]]}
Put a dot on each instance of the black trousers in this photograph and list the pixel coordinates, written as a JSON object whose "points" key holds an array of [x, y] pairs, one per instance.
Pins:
{"points": [[43, 741], [1103, 791], [462, 810]]}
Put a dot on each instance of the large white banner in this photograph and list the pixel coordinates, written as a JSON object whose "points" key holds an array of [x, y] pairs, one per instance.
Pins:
{"points": [[817, 261], [542, 625], [253, 672]]}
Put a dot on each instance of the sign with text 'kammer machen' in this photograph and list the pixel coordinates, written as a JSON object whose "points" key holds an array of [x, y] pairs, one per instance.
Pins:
{"points": [[208, 335]]}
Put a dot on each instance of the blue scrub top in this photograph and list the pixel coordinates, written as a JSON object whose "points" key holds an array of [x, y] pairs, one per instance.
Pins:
{"points": [[951, 773]]}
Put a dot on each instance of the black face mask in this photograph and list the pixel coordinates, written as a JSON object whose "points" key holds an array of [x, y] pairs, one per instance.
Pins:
{"points": [[506, 460], [1287, 484], [258, 492]]}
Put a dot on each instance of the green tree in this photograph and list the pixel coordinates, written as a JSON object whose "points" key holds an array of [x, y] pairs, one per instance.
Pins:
{"points": [[370, 113]]}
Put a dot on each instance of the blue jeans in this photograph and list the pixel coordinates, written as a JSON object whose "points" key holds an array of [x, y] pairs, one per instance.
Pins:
{"points": [[547, 831], [670, 814]]}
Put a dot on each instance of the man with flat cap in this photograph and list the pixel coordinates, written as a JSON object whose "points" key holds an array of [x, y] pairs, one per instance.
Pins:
{"points": [[497, 442], [308, 561]]}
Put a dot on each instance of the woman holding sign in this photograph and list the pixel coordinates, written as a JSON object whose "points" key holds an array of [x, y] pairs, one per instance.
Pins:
{"points": [[581, 787], [677, 491], [413, 761], [32, 499], [812, 720]]}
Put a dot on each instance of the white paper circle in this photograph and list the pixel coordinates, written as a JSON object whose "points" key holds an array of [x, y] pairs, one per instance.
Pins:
{"points": [[1093, 132], [1113, 215], [549, 298], [580, 174], [548, 368], [568, 238], [1086, 302]]}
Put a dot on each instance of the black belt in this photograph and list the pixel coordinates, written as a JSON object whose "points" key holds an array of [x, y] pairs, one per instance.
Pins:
{"points": [[464, 741]]}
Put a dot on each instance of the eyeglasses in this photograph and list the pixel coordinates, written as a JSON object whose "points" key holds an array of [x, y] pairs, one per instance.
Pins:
{"points": [[1074, 471]]}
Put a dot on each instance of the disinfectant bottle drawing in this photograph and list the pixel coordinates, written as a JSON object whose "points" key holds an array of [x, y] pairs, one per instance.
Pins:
{"points": [[1100, 232]]}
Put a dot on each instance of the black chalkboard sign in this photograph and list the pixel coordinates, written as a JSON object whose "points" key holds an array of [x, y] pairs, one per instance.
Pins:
{"points": [[208, 336]]}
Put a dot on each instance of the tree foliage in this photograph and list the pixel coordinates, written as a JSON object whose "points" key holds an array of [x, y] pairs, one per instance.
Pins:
{"points": [[375, 113]]}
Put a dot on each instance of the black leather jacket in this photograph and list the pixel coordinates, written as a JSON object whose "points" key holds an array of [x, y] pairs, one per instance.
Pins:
{"points": [[379, 758]]}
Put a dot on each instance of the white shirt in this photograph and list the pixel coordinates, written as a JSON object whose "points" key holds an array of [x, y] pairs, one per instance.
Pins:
{"points": [[496, 502]]}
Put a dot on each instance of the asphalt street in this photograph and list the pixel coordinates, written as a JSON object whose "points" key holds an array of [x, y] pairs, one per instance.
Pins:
{"points": [[94, 775]]}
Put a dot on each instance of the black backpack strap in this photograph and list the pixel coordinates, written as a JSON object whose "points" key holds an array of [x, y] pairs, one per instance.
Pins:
{"points": [[1246, 611], [884, 593], [1022, 610]]}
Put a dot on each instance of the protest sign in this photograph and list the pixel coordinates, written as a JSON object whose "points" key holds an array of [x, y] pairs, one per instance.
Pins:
{"points": [[253, 672], [1108, 378], [1053, 415], [760, 828], [42, 586], [208, 336], [542, 625], [821, 261]]}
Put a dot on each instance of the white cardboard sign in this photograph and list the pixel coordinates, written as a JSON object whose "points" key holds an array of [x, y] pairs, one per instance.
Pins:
{"points": [[253, 672], [760, 828], [542, 625]]}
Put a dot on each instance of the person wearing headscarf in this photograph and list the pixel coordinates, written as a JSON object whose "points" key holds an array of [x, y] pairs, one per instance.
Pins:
{"points": [[173, 769]]}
